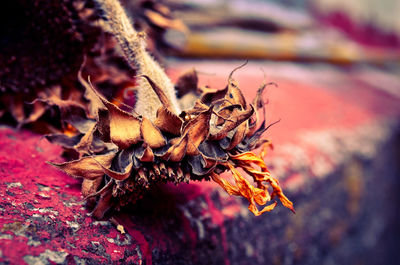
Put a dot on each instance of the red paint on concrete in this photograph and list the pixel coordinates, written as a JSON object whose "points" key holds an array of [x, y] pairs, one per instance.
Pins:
{"points": [[40, 207]]}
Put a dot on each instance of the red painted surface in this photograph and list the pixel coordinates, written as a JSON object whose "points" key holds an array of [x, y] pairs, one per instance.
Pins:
{"points": [[42, 217]]}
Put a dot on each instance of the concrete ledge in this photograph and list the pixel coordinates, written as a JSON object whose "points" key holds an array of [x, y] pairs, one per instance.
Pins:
{"points": [[336, 154]]}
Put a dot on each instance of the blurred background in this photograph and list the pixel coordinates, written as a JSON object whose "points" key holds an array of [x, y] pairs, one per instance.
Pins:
{"points": [[313, 30]]}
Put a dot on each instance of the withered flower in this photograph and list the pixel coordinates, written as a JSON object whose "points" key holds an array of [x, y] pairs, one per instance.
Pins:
{"points": [[122, 154]]}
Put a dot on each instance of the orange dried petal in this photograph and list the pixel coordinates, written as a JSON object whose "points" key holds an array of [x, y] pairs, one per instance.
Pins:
{"points": [[252, 194], [246, 159]]}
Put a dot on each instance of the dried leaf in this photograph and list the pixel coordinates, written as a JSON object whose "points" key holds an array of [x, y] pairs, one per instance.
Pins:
{"points": [[89, 167]]}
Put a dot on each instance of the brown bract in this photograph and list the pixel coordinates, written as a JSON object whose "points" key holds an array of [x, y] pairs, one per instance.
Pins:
{"points": [[216, 135]]}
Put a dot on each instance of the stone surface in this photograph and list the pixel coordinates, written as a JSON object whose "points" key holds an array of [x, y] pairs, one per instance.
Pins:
{"points": [[336, 154]]}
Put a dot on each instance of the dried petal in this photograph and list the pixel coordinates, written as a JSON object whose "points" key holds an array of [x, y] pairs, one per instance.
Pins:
{"points": [[103, 204], [118, 175], [38, 109], [228, 187], [94, 101], [148, 155], [84, 145], [253, 195], [90, 186], [64, 140], [236, 119], [71, 112], [177, 151], [239, 135], [167, 121], [211, 95], [164, 22], [124, 127], [151, 134], [234, 94], [246, 159], [197, 130]]}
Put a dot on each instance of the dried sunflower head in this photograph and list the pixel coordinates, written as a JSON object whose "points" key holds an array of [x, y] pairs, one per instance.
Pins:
{"points": [[122, 154]]}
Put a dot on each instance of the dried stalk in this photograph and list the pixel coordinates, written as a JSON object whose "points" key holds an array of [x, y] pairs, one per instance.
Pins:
{"points": [[134, 49]]}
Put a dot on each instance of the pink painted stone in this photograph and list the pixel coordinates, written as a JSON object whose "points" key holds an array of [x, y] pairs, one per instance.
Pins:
{"points": [[329, 120]]}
